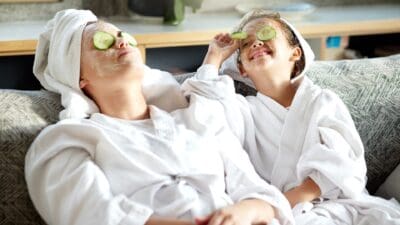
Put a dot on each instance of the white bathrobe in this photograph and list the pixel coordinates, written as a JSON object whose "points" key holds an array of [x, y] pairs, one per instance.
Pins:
{"points": [[105, 170], [315, 138]]}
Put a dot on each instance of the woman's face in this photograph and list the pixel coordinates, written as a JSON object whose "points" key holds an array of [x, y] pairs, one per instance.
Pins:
{"points": [[261, 57], [105, 67]]}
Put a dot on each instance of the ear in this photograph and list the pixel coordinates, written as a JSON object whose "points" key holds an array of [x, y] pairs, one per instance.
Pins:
{"points": [[83, 83], [296, 54], [241, 70]]}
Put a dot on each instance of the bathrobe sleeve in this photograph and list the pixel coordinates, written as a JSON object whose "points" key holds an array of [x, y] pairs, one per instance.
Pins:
{"points": [[207, 83], [243, 182], [68, 187], [335, 158]]}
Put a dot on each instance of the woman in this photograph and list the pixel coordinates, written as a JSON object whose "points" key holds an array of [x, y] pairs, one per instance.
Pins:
{"points": [[114, 159], [299, 137]]}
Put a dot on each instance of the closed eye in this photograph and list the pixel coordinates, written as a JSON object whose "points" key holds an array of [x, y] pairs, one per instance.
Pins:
{"points": [[245, 44]]}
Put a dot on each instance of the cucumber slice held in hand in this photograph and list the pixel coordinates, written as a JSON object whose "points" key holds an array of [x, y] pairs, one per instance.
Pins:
{"points": [[131, 40], [239, 35], [266, 33], [103, 40]]}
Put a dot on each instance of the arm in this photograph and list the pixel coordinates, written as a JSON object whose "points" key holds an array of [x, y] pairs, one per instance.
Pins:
{"points": [[335, 162], [208, 84], [206, 81], [256, 199], [220, 48]]}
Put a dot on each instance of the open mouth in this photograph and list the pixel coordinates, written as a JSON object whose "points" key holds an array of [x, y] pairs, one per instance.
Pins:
{"points": [[260, 53]]}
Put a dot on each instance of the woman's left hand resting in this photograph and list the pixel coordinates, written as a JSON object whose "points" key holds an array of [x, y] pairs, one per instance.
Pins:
{"points": [[220, 48], [246, 212]]}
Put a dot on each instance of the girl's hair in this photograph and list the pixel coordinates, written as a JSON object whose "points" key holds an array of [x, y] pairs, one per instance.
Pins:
{"points": [[289, 34]]}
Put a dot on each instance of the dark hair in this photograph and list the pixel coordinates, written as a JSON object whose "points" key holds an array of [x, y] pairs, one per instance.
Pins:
{"points": [[289, 34]]}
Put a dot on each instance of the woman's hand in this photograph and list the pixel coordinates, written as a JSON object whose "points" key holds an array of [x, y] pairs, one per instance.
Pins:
{"points": [[220, 48], [246, 212], [167, 221], [305, 192]]}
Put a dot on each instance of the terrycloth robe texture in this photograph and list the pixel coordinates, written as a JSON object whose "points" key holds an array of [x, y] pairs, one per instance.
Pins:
{"points": [[57, 67], [184, 164], [315, 137]]}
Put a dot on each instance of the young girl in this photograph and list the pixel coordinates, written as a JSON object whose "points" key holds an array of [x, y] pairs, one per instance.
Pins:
{"points": [[299, 137]]}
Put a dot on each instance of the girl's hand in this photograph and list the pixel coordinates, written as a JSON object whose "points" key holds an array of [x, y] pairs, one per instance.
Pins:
{"points": [[306, 192], [220, 48], [246, 212]]}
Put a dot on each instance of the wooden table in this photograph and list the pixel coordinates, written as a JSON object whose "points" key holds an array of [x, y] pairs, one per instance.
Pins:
{"points": [[20, 38]]}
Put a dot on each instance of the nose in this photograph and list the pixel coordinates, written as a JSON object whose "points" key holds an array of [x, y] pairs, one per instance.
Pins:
{"points": [[121, 42], [257, 43]]}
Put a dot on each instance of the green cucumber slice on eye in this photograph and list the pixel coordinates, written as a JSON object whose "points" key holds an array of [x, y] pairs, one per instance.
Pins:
{"points": [[131, 40], [103, 40], [266, 33], [239, 35]]}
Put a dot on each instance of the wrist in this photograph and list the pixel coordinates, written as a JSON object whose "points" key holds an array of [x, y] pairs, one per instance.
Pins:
{"points": [[213, 59], [305, 192]]}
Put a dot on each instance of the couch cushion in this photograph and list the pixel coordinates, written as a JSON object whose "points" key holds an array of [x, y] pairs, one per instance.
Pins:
{"points": [[23, 114], [371, 90]]}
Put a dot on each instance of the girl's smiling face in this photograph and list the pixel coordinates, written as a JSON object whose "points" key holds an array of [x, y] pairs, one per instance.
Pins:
{"points": [[260, 57]]}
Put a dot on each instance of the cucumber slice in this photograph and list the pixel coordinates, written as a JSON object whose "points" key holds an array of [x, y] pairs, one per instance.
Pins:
{"points": [[103, 40], [131, 40], [266, 33], [239, 35]]}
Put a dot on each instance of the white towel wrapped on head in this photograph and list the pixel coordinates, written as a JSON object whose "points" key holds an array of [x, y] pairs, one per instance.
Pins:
{"points": [[57, 61], [57, 67]]}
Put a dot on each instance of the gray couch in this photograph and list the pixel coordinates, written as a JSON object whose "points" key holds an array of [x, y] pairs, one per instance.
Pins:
{"points": [[369, 87]]}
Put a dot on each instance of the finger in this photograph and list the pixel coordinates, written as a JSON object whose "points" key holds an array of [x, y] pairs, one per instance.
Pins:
{"points": [[203, 220], [228, 220], [217, 37], [216, 219], [236, 43], [227, 38], [221, 39], [200, 222]]}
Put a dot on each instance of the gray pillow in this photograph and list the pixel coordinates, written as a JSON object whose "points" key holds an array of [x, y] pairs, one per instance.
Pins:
{"points": [[371, 90], [23, 114]]}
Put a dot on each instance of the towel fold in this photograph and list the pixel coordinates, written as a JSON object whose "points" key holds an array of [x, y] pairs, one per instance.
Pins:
{"points": [[57, 61]]}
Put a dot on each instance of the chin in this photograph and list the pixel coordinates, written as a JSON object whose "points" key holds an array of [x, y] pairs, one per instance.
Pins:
{"points": [[261, 64]]}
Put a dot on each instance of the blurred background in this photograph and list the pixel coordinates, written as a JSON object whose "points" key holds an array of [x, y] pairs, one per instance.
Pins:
{"points": [[186, 57], [40, 9]]}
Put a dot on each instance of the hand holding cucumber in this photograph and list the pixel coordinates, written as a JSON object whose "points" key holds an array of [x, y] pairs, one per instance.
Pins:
{"points": [[220, 48]]}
